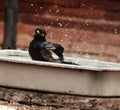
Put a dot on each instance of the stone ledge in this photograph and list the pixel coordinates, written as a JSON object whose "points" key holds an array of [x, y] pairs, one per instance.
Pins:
{"points": [[56, 101]]}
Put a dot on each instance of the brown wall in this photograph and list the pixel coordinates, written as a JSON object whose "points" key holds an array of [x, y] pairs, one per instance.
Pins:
{"points": [[86, 28]]}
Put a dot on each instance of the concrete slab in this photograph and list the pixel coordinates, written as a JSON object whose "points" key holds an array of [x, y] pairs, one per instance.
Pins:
{"points": [[90, 77]]}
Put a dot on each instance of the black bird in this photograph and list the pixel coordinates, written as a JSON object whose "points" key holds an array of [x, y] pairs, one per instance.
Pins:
{"points": [[40, 49]]}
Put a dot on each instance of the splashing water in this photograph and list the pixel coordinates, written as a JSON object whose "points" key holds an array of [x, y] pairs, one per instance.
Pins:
{"points": [[61, 40], [50, 10], [116, 31], [32, 4], [57, 11], [83, 4], [66, 35], [41, 7], [60, 24], [51, 35], [23, 56]]}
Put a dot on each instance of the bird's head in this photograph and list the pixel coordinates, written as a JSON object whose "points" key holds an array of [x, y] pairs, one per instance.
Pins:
{"points": [[40, 32]]}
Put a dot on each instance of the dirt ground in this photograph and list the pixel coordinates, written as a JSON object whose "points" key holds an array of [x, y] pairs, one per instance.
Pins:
{"points": [[16, 99]]}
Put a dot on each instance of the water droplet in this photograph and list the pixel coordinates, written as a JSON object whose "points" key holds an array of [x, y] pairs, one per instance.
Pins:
{"points": [[36, 10], [66, 35], [87, 56], [117, 7], [48, 27], [60, 24], [55, 5], [77, 48], [102, 45], [57, 19], [70, 19], [87, 24], [50, 108], [41, 7], [73, 47], [69, 42], [83, 4], [92, 7], [36, 15], [51, 23], [51, 34], [50, 10], [67, 24], [116, 31], [57, 11], [84, 42], [61, 40], [32, 4]]}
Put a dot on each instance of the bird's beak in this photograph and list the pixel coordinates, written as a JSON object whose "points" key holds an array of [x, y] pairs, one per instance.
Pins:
{"points": [[42, 35]]}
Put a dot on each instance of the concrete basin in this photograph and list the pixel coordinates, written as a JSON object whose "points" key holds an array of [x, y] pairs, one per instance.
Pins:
{"points": [[88, 78]]}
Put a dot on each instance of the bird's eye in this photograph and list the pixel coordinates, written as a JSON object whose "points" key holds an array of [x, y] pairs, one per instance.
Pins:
{"points": [[38, 32]]}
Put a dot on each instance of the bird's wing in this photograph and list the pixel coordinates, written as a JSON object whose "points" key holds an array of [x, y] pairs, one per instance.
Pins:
{"points": [[56, 48], [48, 45], [52, 46], [47, 55]]}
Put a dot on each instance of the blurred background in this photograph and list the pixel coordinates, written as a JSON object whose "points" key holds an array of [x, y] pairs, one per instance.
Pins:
{"points": [[85, 28]]}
